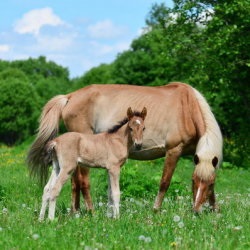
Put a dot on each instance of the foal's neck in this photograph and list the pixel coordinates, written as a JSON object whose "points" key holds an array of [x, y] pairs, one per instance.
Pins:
{"points": [[123, 135]]}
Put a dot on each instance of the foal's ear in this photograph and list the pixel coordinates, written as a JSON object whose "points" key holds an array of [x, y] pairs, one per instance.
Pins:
{"points": [[130, 113], [143, 113]]}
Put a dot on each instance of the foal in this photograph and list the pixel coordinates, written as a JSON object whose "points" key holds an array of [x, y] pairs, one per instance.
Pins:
{"points": [[107, 150]]}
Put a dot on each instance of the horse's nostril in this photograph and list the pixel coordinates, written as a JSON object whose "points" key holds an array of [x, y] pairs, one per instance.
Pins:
{"points": [[138, 146]]}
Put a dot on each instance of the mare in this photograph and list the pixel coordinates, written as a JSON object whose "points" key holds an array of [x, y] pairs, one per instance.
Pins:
{"points": [[179, 122], [108, 150]]}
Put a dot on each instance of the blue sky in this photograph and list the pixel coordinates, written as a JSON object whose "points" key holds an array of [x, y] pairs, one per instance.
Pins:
{"points": [[76, 34]]}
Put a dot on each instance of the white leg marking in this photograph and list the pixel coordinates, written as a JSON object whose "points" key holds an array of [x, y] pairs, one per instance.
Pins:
{"points": [[46, 194], [197, 197]]}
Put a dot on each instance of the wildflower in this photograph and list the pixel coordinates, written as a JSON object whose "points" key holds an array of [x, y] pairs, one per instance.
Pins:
{"points": [[109, 215], [180, 224], [5, 210], [237, 228], [100, 204], [173, 244], [1, 229], [148, 239], [77, 215], [35, 236], [177, 218], [145, 239], [141, 237]]}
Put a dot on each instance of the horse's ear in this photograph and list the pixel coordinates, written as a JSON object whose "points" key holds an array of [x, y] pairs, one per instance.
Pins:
{"points": [[130, 113], [196, 159], [215, 161], [143, 113]]}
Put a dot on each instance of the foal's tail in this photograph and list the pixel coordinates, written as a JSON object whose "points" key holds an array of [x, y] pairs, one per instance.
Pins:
{"points": [[48, 129]]}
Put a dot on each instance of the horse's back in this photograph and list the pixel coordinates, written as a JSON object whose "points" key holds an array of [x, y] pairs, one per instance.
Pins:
{"points": [[173, 113]]}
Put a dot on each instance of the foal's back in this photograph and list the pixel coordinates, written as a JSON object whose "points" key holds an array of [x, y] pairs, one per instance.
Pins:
{"points": [[93, 150]]}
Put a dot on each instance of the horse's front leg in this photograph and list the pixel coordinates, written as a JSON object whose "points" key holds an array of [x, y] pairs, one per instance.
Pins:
{"points": [[172, 156], [114, 192], [212, 200], [80, 182], [46, 194]]}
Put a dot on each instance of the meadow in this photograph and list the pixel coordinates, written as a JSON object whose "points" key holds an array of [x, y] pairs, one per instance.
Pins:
{"points": [[174, 227]]}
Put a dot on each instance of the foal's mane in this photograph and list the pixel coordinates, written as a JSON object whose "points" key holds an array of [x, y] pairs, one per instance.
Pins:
{"points": [[122, 122]]}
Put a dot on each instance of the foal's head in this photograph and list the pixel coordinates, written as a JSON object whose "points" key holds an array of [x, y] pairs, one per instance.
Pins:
{"points": [[136, 126]]}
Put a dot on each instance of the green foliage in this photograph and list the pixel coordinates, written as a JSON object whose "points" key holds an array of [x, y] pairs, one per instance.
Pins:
{"points": [[100, 74], [18, 106], [26, 85]]}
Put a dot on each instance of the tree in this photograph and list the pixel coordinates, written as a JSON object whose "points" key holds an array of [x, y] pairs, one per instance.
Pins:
{"points": [[18, 106], [100, 74]]}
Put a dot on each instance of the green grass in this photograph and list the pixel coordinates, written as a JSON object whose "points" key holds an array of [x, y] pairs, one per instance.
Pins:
{"points": [[175, 227]]}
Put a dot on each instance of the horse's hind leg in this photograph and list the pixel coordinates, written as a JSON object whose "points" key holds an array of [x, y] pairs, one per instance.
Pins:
{"points": [[80, 181], [172, 157], [75, 187], [46, 193]]}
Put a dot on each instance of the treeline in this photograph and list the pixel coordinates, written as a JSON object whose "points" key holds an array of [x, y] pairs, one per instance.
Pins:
{"points": [[203, 43]]}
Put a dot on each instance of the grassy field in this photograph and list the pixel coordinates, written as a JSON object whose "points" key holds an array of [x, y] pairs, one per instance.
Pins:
{"points": [[175, 227]]}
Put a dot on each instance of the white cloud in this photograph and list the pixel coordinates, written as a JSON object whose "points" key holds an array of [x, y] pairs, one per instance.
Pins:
{"points": [[34, 20], [100, 49], [105, 29], [59, 42], [4, 48]]}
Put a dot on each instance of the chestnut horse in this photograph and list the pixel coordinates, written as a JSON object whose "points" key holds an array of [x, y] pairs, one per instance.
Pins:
{"points": [[108, 150], [179, 122]]}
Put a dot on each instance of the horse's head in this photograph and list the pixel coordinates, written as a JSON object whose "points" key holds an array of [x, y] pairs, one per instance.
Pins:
{"points": [[136, 126], [203, 182]]}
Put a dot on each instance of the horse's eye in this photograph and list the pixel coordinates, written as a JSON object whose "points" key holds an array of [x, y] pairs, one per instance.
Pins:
{"points": [[144, 129]]}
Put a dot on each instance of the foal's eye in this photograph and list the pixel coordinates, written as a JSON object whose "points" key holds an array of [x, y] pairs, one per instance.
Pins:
{"points": [[144, 129]]}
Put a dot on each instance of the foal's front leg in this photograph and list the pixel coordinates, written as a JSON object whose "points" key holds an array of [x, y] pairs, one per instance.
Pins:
{"points": [[114, 176]]}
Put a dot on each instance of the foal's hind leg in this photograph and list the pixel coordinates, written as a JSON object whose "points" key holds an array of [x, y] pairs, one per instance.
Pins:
{"points": [[63, 176], [172, 157], [46, 192]]}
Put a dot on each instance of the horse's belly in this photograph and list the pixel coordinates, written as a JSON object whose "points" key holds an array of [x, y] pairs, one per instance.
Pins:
{"points": [[148, 153]]}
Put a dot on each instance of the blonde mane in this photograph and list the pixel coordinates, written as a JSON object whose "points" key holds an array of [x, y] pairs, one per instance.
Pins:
{"points": [[210, 144]]}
